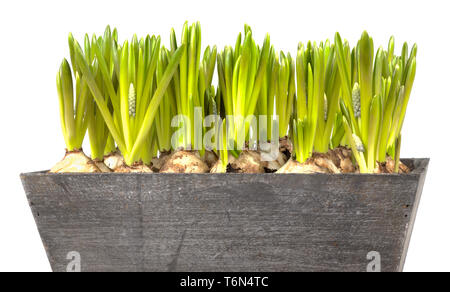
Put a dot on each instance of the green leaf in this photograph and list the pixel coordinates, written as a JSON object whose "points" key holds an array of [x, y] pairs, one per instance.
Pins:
{"points": [[99, 99], [67, 94], [365, 78], [374, 130], [157, 96]]}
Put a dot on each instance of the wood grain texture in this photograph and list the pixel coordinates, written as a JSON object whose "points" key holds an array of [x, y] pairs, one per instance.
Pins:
{"points": [[225, 222]]}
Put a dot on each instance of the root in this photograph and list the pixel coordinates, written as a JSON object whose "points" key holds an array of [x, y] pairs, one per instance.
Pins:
{"points": [[75, 161], [184, 162]]}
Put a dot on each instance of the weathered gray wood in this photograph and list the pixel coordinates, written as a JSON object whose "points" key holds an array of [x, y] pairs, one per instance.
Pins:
{"points": [[225, 222]]}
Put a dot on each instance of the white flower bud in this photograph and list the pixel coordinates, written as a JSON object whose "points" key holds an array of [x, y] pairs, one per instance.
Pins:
{"points": [[356, 99], [359, 144], [132, 101]]}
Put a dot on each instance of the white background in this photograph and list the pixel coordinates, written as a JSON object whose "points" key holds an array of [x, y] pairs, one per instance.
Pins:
{"points": [[33, 41]]}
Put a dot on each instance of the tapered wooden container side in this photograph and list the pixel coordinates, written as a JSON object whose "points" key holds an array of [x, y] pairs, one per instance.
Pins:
{"points": [[226, 222]]}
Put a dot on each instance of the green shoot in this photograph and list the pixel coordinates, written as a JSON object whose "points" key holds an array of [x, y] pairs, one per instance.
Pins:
{"points": [[266, 101], [74, 120], [376, 98], [242, 72], [133, 115], [191, 88], [330, 105], [309, 110], [285, 91]]}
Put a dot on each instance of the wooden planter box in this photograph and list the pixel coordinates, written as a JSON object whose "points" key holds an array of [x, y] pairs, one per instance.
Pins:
{"points": [[226, 222]]}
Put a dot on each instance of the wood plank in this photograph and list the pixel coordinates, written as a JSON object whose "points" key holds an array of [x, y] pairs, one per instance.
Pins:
{"points": [[225, 222]]}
